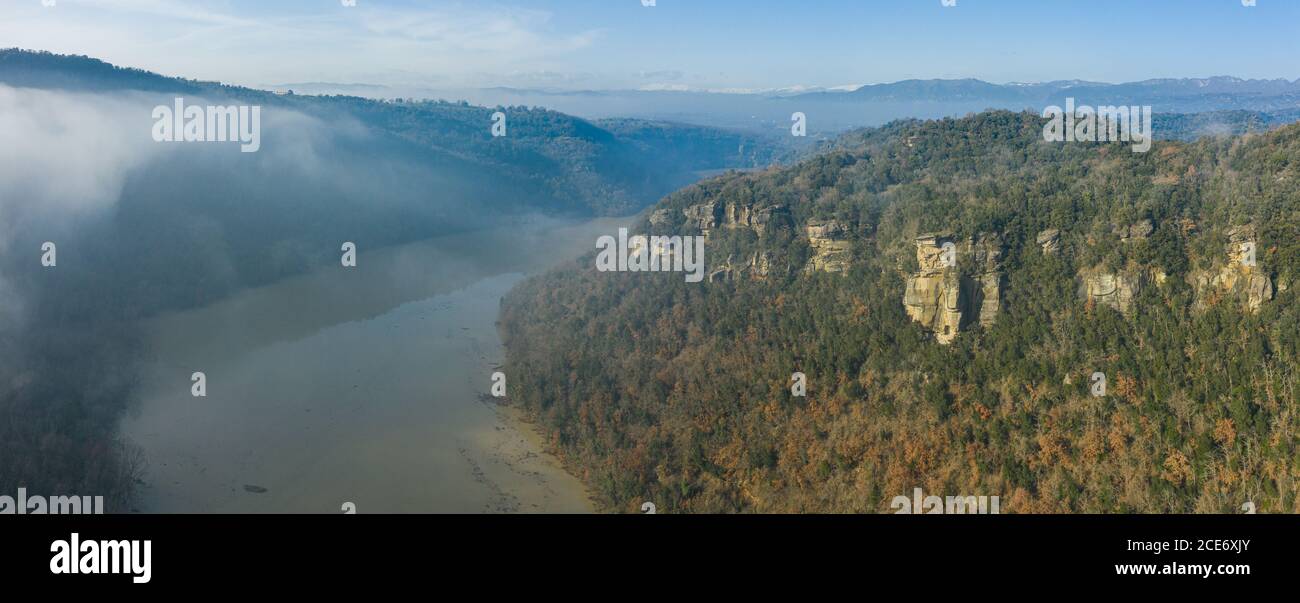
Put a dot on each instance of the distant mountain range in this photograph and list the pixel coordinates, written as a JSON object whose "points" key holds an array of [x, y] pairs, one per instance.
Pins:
{"points": [[833, 110], [927, 90], [1180, 95]]}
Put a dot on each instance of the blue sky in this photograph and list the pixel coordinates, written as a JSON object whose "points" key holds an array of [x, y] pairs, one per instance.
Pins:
{"points": [[695, 44]]}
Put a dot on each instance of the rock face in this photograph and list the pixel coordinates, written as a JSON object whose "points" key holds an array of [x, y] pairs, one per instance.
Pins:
{"points": [[1115, 290], [1049, 240], [986, 250], [757, 218], [942, 297], [660, 217], [758, 266], [990, 296], [714, 216], [830, 244], [1135, 232], [709, 216], [704, 217], [1240, 279]]}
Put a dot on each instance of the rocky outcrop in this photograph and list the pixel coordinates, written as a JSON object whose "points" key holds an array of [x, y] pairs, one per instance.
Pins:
{"points": [[1240, 279], [830, 244], [990, 296], [943, 297], [1116, 290], [1135, 232], [708, 217], [704, 217], [986, 251], [660, 218], [934, 300], [758, 267], [722, 274], [756, 218], [1049, 240]]}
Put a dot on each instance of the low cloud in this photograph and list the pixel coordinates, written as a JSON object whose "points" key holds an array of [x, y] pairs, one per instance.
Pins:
{"points": [[68, 152]]}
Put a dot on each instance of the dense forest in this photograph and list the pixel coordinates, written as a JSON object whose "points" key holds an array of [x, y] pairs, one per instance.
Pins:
{"points": [[655, 389]]}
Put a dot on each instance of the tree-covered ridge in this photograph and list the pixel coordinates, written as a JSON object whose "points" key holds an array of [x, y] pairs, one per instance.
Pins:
{"points": [[657, 389], [550, 161]]}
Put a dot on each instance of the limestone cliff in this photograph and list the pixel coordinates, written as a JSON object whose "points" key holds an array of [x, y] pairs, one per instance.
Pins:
{"points": [[986, 250], [707, 217], [942, 296], [704, 217], [710, 218], [830, 244], [1240, 279], [1113, 289], [737, 215]]}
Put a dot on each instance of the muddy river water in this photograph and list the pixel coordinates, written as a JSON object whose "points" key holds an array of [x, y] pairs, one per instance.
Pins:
{"points": [[354, 385]]}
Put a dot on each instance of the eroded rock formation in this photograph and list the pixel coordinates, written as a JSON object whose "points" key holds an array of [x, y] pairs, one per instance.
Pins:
{"points": [[830, 244], [944, 297], [660, 218], [1240, 279], [1135, 232], [704, 217], [709, 216], [1116, 289], [1049, 240], [758, 266]]}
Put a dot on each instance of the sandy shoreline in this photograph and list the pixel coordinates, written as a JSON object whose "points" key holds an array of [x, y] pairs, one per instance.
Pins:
{"points": [[518, 420]]}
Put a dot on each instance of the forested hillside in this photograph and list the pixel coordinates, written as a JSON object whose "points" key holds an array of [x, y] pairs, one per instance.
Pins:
{"points": [[972, 378], [143, 228], [547, 161]]}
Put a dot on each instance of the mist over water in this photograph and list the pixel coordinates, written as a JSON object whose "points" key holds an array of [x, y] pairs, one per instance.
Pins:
{"points": [[353, 385], [149, 233]]}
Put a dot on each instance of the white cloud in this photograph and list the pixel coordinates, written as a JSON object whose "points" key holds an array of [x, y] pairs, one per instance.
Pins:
{"points": [[64, 155], [468, 45], [184, 10]]}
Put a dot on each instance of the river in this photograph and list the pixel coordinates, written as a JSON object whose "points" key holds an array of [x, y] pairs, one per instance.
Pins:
{"points": [[355, 386]]}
